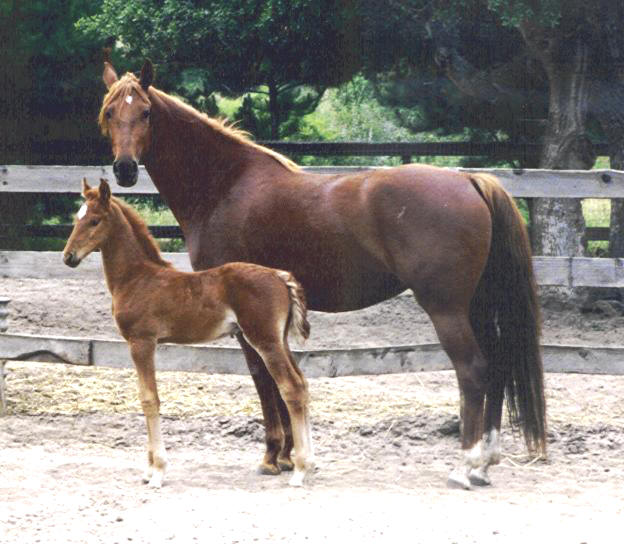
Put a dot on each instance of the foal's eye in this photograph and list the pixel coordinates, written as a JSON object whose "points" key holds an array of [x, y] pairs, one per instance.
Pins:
{"points": [[146, 114], [94, 222]]}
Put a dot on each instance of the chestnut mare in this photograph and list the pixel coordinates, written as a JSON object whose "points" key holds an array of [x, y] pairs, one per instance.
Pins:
{"points": [[153, 302], [455, 239]]}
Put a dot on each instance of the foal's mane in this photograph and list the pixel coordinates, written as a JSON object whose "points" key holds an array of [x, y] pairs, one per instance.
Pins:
{"points": [[129, 82], [141, 233]]}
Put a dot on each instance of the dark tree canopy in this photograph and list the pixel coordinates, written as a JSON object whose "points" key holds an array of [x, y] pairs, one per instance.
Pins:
{"points": [[237, 47]]}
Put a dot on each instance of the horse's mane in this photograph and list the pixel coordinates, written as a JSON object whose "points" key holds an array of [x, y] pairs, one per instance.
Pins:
{"points": [[141, 233], [129, 82]]}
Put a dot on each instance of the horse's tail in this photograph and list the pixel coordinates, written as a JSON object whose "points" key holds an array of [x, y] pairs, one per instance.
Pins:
{"points": [[297, 322], [505, 315]]}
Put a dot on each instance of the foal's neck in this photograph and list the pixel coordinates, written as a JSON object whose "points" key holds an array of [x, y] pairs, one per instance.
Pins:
{"points": [[122, 256]]}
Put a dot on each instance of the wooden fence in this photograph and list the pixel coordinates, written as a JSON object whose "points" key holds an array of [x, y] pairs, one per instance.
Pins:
{"points": [[561, 271]]}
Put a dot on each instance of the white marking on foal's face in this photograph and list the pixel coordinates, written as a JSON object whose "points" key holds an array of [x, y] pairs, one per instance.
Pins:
{"points": [[82, 211], [129, 99]]}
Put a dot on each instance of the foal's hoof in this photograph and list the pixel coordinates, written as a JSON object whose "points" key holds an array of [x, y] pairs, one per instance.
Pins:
{"points": [[479, 477], [297, 479], [458, 480], [269, 470], [285, 464], [156, 481]]}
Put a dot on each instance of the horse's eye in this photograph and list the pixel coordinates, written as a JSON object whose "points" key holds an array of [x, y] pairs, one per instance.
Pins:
{"points": [[108, 114], [146, 114], [94, 222]]}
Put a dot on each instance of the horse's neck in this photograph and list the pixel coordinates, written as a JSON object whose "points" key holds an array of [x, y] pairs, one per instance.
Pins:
{"points": [[191, 163], [122, 256]]}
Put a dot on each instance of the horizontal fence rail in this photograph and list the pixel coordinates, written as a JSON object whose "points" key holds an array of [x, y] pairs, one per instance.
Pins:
{"points": [[63, 231], [520, 183], [90, 147], [562, 271], [314, 363]]}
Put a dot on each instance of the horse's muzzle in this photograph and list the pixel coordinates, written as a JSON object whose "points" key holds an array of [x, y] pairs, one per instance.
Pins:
{"points": [[70, 259], [126, 172]]}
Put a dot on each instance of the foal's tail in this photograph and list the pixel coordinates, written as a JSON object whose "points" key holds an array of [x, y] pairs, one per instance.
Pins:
{"points": [[505, 315], [297, 314]]}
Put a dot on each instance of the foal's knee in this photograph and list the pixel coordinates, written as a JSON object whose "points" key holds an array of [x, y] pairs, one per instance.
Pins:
{"points": [[294, 391], [151, 407]]}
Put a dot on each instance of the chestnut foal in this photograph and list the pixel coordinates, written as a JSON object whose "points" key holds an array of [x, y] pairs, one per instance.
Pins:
{"points": [[153, 302]]}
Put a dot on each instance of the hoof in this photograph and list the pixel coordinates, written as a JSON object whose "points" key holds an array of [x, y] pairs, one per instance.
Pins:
{"points": [[285, 464], [156, 480], [479, 477], [269, 470], [458, 480], [297, 479], [147, 474]]}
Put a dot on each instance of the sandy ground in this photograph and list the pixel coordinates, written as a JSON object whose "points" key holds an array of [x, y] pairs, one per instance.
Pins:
{"points": [[72, 446]]}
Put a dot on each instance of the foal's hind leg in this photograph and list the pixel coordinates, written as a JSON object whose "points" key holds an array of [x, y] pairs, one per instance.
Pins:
{"points": [[278, 433], [142, 351], [294, 391], [459, 342]]}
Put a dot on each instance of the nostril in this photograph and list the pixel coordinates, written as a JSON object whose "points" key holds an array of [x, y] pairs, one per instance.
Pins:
{"points": [[70, 259]]}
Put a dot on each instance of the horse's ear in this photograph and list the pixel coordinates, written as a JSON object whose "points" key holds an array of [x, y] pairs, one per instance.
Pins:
{"points": [[109, 75], [147, 74], [105, 192], [85, 187]]}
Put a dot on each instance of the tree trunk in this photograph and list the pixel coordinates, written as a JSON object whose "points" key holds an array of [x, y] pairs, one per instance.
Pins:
{"points": [[608, 101], [608, 106], [274, 110], [558, 227]]}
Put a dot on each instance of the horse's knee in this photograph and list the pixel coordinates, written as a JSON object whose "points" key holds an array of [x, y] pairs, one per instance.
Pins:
{"points": [[294, 391], [151, 407]]}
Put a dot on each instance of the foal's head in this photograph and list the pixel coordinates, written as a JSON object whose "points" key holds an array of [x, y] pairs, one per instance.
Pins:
{"points": [[93, 223], [125, 117]]}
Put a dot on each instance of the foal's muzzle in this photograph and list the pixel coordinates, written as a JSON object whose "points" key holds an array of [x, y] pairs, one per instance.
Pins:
{"points": [[126, 171], [70, 259]]}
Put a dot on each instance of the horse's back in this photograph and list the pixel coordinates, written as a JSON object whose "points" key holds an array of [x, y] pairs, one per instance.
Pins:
{"points": [[417, 219]]}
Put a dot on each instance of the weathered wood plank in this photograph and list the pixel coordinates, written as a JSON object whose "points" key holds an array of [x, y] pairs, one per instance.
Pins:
{"points": [[49, 265], [586, 272], [317, 363], [552, 270], [187, 358], [65, 179], [46, 349], [521, 183], [566, 271], [559, 183]]}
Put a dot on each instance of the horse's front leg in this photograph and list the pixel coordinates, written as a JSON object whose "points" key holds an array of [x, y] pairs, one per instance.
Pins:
{"points": [[142, 351]]}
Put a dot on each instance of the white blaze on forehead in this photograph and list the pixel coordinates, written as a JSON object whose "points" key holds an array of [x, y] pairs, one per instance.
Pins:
{"points": [[129, 99], [82, 211]]}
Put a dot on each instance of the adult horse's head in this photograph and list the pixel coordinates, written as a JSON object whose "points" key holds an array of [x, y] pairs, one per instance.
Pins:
{"points": [[125, 118]]}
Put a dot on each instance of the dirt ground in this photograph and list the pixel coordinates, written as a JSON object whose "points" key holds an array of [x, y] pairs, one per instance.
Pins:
{"points": [[72, 446]]}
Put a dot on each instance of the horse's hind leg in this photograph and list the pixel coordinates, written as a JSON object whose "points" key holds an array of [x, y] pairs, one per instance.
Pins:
{"points": [[491, 438], [278, 434], [459, 342], [142, 351]]}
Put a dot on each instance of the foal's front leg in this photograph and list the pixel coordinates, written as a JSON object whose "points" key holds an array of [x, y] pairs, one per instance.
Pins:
{"points": [[142, 351]]}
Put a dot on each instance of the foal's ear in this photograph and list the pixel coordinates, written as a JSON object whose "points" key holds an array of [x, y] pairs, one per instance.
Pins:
{"points": [[109, 76], [105, 192], [147, 74], [85, 187]]}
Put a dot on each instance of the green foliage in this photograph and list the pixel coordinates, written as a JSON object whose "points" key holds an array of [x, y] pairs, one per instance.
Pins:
{"points": [[234, 47]]}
